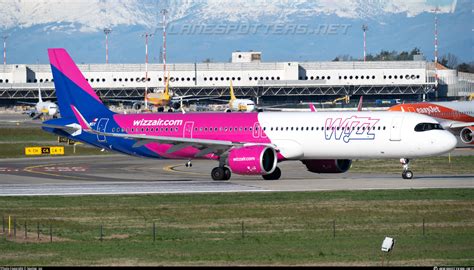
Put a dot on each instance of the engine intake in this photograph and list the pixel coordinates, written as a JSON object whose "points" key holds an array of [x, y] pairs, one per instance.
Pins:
{"points": [[136, 106], [327, 165], [466, 135], [252, 160]]}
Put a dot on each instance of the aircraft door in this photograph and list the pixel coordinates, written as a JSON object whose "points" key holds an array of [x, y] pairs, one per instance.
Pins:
{"points": [[256, 133], [188, 130], [396, 129], [101, 127]]}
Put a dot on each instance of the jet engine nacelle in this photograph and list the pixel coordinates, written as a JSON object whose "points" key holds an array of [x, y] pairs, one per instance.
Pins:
{"points": [[136, 106], [252, 160], [467, 135], [327, 165], [176, 105]]}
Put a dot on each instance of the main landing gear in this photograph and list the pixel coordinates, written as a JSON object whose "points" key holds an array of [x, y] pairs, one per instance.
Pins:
{"points": [[406, 174], [188, 164], [220, 173]]}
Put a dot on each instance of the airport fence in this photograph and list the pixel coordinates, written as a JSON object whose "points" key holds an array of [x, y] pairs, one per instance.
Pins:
{"points": [[22, 229]]}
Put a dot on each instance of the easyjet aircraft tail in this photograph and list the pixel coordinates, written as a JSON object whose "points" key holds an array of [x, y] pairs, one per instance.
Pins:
{"points": [[72, 89]]}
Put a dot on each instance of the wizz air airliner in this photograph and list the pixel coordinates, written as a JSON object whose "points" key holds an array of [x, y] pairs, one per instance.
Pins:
{"points": [[250, 143]]}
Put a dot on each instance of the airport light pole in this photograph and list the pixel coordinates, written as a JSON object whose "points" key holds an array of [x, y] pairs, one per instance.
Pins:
{"points": [[436, 44], [146, 35], [5, 49], [364, 28], [107, 31], [164, 12]]}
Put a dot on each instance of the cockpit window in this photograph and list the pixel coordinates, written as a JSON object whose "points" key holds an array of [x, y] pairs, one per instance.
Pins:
{"points": [[427, 126]]}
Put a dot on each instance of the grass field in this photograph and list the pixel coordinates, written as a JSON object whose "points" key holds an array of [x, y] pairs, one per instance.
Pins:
{"points": [[25, 134], [14, 140], [244, 229], [428, 165]]}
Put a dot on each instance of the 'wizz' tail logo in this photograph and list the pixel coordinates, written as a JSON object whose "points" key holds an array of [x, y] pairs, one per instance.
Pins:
{"points": [[353, 128]]}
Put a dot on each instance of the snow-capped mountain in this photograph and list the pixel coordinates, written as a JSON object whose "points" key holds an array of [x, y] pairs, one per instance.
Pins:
{"points": [[94, 15], [282, 29]]}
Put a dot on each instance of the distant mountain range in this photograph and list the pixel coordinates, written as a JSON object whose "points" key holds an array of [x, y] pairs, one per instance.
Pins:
{"points": [[296, 30]]}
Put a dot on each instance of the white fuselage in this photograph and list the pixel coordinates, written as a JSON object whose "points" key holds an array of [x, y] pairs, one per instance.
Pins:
{"points": [[326, 135], [242, 105], [46, 108]]}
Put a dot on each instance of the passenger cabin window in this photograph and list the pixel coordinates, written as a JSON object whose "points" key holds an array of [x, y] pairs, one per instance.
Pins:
{"points": [[427, 126]]}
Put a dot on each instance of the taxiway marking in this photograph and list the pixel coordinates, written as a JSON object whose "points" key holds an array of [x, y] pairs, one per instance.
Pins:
{"points": [[30, 169]]}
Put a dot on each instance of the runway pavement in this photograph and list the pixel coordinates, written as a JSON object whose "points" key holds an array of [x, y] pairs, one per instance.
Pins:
{"points": [[118, 174], [10, 119]]}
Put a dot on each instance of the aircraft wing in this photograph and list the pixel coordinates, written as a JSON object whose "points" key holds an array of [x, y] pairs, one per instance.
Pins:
{"points": [[219, 99], [26, 102], [189, 98], [36, 114], [461, 124], [175, 99], [451, 124], [126, 100], [205, 146]]}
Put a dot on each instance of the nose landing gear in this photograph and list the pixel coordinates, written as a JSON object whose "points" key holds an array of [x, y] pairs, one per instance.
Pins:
{"points": [[406, 174], [188, 164]]}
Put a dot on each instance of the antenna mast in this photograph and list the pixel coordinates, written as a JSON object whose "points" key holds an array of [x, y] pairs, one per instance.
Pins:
{"points": [[146, 35], [107, 31], [364, 28], [5, 49], [164, 12], [436, 45]]}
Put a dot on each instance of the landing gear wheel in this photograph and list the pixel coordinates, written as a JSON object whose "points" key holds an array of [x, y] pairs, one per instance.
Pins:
{"points": [[227, 173], [407, 174], [189, 164], [275, 175], [217, 174]]}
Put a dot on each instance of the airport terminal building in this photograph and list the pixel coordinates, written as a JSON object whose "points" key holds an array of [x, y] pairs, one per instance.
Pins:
{"points": [[266, 82]]}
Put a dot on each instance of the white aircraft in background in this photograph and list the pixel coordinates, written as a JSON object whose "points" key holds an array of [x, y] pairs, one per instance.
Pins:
{"points": [[359, 105], [239, 104], [42, 108], [161, 98]]}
